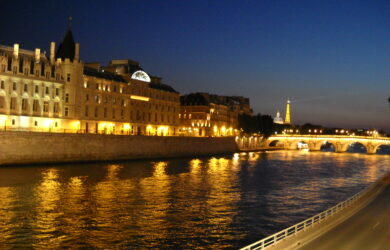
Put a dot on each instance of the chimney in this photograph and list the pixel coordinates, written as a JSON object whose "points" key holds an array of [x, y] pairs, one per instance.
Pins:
{"points": [[52, 53], [37, 55], [16, 50], [77, 52]]}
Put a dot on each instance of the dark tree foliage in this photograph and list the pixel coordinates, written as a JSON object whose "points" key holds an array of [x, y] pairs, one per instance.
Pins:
{"points": [[266, 125], [262, 124], [247, 123]]}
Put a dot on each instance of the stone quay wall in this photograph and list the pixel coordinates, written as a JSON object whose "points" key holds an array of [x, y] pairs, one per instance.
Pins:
{"points": [[30, 148]]}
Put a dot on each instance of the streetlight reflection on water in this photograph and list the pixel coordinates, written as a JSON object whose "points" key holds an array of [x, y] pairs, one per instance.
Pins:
{"points": [[214, 202]]}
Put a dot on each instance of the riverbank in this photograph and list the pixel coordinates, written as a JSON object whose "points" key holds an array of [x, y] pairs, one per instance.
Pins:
{"points": [[33, 148]]}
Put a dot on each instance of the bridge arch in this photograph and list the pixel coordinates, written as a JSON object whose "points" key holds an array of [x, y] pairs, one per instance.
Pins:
{"points": [[382, 147], [327, 146], [276, 143], [357, 147]]}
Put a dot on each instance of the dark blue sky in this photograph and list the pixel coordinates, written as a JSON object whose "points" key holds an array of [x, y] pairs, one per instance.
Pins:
{"points": [[331, 58]]}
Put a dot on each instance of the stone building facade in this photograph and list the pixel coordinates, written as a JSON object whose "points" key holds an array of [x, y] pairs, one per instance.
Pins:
{"points": [[204, 114], [60, 93]]}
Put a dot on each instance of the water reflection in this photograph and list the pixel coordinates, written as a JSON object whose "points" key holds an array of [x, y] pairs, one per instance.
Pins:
{"points": [[216, 202]]}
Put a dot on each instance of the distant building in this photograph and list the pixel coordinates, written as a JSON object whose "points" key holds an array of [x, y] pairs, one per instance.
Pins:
{"points": [[203, 114], [278, 119]]}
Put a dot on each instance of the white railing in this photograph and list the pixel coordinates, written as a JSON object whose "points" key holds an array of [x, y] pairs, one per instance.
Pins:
{"points": [[291, 231]]}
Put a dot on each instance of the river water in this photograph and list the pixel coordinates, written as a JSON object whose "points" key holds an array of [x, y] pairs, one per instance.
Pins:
{"points": [[206, 203]]}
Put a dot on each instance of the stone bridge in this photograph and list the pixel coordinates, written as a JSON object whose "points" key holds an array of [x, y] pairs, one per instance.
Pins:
{"points": [[314, 142]]}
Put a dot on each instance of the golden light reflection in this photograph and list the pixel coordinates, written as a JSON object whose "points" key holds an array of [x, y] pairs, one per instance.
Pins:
{"points": [[7, 214], [48, 194], [195, 166]]}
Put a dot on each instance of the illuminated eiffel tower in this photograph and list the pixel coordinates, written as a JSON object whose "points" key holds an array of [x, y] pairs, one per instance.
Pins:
{"points": [[287, 120]]}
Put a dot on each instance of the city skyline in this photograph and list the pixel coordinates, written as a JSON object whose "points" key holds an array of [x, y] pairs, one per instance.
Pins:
{"points": [[331, 59]]}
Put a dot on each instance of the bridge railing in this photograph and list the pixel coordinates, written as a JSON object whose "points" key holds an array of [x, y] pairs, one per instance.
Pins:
{"points": [[301, 226]]}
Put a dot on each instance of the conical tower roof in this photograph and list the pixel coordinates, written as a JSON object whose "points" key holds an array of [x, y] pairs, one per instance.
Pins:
{"points": [[67, 47]]}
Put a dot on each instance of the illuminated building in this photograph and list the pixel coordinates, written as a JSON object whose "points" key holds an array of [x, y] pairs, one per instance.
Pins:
{"points": [[60, 93], [278, 119], [203, 114], [288, 118]]}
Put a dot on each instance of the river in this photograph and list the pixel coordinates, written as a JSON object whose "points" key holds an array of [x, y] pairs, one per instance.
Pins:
{"points": [[221, 202]]}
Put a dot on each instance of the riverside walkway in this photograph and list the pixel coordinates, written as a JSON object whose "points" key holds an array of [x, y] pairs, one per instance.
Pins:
{"points": [[367, 229], [361, 222]]}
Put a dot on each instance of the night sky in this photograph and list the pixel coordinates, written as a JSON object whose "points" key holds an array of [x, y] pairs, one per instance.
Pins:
{"points": [[331, 58]]}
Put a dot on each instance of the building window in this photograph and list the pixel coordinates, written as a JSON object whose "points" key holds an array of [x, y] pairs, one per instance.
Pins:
{"points": [[47, 90], [86, 97], [13, 121], [96, 111], [114, 88], [66, 97], [35, 105], [56, 107], [25, 88], [86, 111], [66, 111], [32, 64], [113, 113], [14, 86], [2, 85], [96, 98], [42, 69], [45, 106], [13, 103], [35, 123], [24, 104], [68, 77], [2, 102], [57, 91], [105, 112], [9, 65], [36, 89], [21, 61]]}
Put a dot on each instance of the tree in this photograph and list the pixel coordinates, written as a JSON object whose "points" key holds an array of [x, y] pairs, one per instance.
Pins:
{"points": [[266, 125], [262, 124]]}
